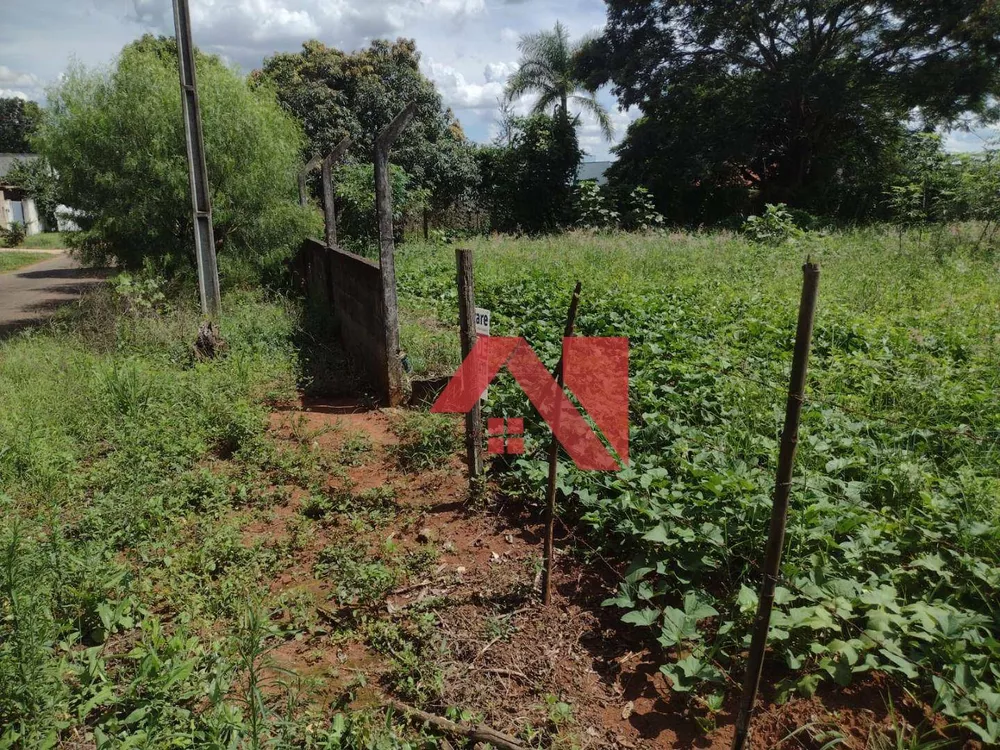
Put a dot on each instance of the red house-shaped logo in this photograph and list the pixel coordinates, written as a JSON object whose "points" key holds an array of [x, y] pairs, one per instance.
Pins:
{"points": [[595, 370]]}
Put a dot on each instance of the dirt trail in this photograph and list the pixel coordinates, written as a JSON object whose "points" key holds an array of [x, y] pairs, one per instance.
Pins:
{"points": [[471, 615], [30, 294]]}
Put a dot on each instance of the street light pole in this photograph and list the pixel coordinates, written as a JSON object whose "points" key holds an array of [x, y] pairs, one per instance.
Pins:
{"points": [[204, 234]]}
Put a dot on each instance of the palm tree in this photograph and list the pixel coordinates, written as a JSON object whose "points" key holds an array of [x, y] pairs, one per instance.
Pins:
{"points": [[547, 68]]}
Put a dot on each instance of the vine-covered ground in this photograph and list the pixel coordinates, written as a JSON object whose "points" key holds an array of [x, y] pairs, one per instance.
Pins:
{"points": [[891, 561]]}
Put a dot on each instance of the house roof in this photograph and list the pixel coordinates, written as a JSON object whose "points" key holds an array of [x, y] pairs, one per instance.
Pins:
{"points": [[7, 161], [593, 170]]}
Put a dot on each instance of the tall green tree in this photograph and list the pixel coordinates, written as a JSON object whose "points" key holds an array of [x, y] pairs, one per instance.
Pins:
{"points": [[19, 119], [527, 183], [802, 100], [548, 68], [336, 93], [115, 138]]}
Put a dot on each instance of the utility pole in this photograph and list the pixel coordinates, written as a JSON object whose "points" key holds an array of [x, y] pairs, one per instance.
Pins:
{"points": [[201, 202]]}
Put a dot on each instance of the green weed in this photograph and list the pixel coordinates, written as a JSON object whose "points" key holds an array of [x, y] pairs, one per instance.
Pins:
{"points": [[425, 439]]}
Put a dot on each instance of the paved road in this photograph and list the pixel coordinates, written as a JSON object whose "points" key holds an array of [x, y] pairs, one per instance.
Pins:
{"points": [[31, 294]]}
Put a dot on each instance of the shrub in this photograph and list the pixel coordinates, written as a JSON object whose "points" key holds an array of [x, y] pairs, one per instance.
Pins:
{"points": [[641, 214], [14, 235], [116, 140], [356, 219], [527, 186], [594, 211], [774, 227]]}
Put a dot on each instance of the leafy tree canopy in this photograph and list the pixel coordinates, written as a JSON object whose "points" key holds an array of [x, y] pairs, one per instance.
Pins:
{"points": [[336, 93], [116, 141], [19, 119], [799, 98]]}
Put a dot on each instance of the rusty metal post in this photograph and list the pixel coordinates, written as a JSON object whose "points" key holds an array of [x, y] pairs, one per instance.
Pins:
{"points": [[779, 507], [467, 324], [550, 489], [329, 206], [387, 249], [201, 200]]}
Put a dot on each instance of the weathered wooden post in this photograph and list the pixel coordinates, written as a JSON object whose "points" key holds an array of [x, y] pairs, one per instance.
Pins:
{"points": [[329, 206], [550, 489], [779, 507], [387, 261], [467, 324]]}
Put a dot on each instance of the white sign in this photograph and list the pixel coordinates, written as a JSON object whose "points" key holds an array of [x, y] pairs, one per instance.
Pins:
{"points": [[482, 322], [483, 329]]}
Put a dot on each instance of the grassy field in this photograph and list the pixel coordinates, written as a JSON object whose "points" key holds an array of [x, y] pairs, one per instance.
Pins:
{"points": [[154, 519], [893, 546], [108, 451], [11, 261], [46, 241]]}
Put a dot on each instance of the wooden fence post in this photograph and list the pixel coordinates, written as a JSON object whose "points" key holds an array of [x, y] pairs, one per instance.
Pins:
{"points": [[329, 205], [550, 489], [467, 324], [779, 507], [387, 249]]}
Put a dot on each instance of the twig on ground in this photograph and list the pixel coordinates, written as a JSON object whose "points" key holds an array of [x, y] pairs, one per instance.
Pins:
{"points": [[480, 733]]}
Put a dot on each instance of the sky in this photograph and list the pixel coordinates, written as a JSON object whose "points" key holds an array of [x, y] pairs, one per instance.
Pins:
{"points": [[468, 47]]}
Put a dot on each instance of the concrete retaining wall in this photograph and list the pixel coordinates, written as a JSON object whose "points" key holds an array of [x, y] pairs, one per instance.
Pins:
{"points": [[352, 288]]}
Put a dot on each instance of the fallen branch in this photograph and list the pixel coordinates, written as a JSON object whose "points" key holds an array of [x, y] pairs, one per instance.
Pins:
{"points": [[481, 733]]}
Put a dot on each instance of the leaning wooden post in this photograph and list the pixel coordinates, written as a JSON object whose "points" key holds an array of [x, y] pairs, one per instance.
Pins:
{"points": [[550, 490], [467, 325], [779, 507], [329, 205], [303, 176], [387, 249]]}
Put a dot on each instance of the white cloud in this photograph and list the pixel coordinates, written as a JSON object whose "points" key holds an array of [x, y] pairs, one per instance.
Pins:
{"points": [[13, 94], [10, 77], [592, 141], [460, 94], [467, 46], [962, 141], [499, 72]]}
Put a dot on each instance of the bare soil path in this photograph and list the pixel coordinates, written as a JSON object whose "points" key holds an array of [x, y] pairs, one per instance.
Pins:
{"points": [[30, 294], [468, 622]]}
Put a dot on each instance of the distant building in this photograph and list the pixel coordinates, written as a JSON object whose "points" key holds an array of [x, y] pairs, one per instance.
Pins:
{"points": [[593, 170], [15, 205]]}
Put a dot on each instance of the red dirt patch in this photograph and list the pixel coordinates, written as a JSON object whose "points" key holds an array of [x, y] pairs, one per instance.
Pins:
{"points": [[506, 657]]}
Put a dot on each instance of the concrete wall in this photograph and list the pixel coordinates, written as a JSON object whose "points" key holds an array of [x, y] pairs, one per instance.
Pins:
{"points": [[352, 287]]}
